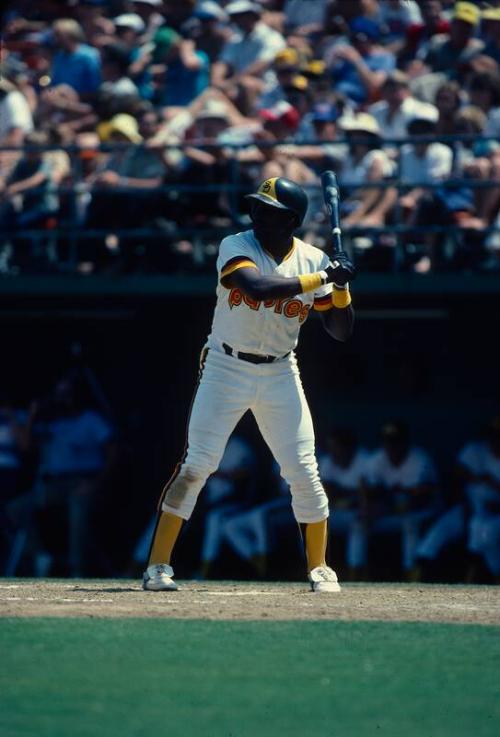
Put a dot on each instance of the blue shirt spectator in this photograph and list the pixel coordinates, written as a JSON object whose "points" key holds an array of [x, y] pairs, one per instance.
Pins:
{"points": [[75, 63], [359, 68], [183, 84], [80, 69]]}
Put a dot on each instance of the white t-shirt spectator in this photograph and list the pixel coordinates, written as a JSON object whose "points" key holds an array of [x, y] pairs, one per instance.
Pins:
{"points": [[434, 166], [360, 173], [395, 127], [14, 113], [261, 45], [417, 468]]}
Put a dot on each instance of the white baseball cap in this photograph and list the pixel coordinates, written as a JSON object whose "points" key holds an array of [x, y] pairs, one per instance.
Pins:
{"points": [[243, 6], [213, 109], [130, 20], [155, 3], [210, 9]]}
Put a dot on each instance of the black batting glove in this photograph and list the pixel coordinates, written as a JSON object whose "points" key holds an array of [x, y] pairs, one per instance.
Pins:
{"points": [[341, 270]]}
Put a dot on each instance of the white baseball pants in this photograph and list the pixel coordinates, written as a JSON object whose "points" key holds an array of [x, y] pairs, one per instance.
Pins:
{"points": [[227, 388]]}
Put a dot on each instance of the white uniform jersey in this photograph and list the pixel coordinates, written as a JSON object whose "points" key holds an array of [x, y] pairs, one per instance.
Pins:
{"points": [[270, 327], [417, 468], [478, 458], [349, 478]]}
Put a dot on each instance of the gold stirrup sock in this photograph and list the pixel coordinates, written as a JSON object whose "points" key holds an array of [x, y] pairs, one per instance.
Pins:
{"points": [[316, 536], [166, 533]]}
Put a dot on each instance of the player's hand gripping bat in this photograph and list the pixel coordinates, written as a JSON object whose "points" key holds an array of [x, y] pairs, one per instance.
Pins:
{"points": [[342, 269]]}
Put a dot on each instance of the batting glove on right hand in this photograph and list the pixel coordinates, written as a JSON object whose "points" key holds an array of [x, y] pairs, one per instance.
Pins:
{"points": [[341, 270]]}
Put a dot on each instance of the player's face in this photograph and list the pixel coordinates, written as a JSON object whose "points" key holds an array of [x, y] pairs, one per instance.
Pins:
{"points": [[271, 222]]}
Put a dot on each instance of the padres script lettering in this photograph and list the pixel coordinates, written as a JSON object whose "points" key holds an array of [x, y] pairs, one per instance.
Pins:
{"points": [[288, 307]]}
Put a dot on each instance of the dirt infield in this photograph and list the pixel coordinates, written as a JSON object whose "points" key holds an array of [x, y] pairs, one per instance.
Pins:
{"points": [[250, 601]]}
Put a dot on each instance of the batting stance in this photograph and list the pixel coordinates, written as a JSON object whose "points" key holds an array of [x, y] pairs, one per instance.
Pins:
{"points": [[269, 281]]}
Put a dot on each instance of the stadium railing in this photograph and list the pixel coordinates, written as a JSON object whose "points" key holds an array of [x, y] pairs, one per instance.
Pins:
{"points": [[55, 243]]}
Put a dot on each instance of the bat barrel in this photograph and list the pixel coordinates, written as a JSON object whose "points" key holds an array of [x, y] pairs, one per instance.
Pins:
{"points": [[331, 196]]}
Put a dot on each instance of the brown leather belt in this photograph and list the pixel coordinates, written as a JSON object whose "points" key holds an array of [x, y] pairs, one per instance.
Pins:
{"points": [[251, 357]]}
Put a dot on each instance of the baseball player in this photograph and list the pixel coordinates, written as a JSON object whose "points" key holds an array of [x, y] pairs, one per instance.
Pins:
{"points": [[269, 281]]}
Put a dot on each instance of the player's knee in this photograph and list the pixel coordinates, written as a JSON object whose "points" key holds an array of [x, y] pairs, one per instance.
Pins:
{"points": [[184, 488]]}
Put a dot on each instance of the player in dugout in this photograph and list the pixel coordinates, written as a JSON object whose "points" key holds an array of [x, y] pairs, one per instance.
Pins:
{"points": [[269, 280]]}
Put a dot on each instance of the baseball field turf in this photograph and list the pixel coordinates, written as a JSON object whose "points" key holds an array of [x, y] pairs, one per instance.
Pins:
{"points": [[98, 675]]}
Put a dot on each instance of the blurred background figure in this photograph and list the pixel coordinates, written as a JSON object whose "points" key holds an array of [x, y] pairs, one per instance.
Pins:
{"points": [[344, 470], [76, 448], [75, 63], [474, 510], [401, 496], [12, 454], [255, 534]]}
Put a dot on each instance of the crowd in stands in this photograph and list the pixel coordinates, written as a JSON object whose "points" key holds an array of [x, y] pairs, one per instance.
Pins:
{"points": [[163, 113], [59, 458]]}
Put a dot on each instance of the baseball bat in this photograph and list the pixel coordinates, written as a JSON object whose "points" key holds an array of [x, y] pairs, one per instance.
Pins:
{"points": [[331, 196]]}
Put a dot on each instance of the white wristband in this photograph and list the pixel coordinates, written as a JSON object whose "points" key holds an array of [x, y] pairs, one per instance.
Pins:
{"points": [[324, 277], [341, 286]]}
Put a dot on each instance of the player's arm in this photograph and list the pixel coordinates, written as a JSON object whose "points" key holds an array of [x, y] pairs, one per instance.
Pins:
{"points": [[245, 275]]}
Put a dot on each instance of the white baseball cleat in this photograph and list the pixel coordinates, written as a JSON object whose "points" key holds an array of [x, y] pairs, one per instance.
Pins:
{"points": [[323, 580], [159, 578]]}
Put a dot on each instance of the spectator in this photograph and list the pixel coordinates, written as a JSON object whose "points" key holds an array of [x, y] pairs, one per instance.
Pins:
{"points": [[285, 67], [129, 28], [248, 54], [484, 92], [75, 63], [211, 35], [344, 471], [96, 27], [280, 124], [476, 509], [207, 163], [149, 11], [186, 68], [130, 31], [304, 17], [401, 496], [424, 162], [115, 64], [490, 32], [322, 151], [124, 187], [15, 115], [397, 106], [27, 197], [395, 17], [448, 102], [366, 162], [76, 455], [359, 67], [418, 34], [447, 53]]}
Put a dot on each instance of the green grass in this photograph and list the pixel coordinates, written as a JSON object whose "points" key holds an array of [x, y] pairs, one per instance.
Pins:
{"points": [[128, 677]]}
